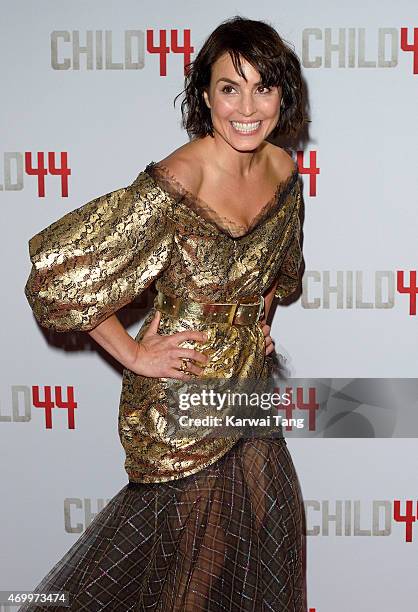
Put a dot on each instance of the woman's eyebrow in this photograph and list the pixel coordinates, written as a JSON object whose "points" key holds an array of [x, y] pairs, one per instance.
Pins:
{"points": [[233, 82]]}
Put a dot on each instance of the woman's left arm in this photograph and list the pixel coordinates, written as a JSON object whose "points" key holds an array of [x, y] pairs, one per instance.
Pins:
{"points": [[268, 299]]}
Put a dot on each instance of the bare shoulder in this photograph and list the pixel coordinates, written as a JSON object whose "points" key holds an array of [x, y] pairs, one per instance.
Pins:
{"points": [[185, 166], [280, 161]]}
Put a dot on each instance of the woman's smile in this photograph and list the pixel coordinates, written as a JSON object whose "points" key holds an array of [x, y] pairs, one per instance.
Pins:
{"points": [[246, 128]]}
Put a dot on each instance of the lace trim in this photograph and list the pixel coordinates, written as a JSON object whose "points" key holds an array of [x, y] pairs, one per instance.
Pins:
{"points": [[162, 175]]}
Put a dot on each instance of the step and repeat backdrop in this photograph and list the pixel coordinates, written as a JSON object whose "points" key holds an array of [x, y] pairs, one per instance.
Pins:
{"points": [[86, 104]]}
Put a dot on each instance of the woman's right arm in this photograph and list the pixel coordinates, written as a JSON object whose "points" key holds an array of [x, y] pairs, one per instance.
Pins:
{"points": [[113, 337], [97, 258], [156, 355]]}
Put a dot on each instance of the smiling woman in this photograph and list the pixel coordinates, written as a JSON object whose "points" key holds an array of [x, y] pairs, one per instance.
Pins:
{"points": [[260, 46], [206, 522], [243, 108]]}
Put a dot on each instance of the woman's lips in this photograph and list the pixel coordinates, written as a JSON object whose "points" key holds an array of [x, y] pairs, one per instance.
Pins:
{"points": [[245, 127]]}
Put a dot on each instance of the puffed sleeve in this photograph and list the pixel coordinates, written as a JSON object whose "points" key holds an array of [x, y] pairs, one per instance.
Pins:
{"points": [[289, 272], [100, 256]]}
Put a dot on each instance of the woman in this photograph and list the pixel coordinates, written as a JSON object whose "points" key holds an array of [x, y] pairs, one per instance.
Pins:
{"points": [[205, 522]]}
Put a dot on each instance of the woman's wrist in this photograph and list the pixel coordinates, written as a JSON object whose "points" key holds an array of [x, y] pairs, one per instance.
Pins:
{"points": [[113, 337], [133, 359]]}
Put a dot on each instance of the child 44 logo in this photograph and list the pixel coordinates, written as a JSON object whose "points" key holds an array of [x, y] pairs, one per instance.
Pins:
{"points": [[49, 402], [103, 50]]}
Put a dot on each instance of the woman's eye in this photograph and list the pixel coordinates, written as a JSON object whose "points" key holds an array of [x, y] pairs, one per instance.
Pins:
{"points": [[227, 89], [268, 89]]}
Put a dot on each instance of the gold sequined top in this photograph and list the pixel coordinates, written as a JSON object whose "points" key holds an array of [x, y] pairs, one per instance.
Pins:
{"points": [[97, 258]]}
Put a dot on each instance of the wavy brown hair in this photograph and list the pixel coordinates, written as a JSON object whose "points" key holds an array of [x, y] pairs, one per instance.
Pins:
{"points": [[261, 45]]}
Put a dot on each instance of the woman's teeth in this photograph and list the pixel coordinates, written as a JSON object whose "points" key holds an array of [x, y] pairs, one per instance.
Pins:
{"points": [[245, 128]]}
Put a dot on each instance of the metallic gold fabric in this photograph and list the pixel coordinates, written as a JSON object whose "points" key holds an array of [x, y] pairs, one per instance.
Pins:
{"points": [[237, 313], [97, 258]]}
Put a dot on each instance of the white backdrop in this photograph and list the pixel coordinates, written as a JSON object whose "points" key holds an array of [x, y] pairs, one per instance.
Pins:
{"points": [[111, 119]]}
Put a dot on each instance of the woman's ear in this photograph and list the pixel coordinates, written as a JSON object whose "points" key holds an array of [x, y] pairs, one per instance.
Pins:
{"points": [[206, 98]]}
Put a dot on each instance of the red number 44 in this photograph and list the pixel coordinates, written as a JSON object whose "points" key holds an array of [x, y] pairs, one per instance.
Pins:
{"points": [[163, 49]]}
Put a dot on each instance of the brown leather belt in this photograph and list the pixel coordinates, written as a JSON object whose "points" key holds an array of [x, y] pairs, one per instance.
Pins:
{"points": [[237, 313]]}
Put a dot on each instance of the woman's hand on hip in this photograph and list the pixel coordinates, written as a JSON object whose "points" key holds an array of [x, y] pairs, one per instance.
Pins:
{"points": [[161, 356], [269, 342]]}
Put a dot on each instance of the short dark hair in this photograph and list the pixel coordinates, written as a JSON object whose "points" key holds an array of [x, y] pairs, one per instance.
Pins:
{"points": [[261, 45]]}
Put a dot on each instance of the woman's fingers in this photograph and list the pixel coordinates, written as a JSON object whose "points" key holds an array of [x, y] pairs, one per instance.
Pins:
{"points": [[194, 369], [174, 373], [270, 349], [188, 334], [191, 354], [153, 326], [269, 346], [268, 340], [265, 328]]}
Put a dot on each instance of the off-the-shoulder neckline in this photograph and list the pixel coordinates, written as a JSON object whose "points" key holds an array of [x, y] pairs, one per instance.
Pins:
{"points": [[221, 223]]}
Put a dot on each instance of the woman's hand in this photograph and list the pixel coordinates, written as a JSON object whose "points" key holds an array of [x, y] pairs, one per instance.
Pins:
{"points": [[161, 356], [269, 342]]}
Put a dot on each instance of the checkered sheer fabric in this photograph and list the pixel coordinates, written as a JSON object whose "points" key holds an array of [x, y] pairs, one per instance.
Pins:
{"points": [[228, 538]]}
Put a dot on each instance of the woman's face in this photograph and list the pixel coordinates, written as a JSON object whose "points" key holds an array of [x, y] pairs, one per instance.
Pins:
{"points": [[244, 112]]}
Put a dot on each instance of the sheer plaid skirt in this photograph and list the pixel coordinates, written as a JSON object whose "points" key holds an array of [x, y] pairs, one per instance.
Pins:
{"points": [[228, 538]]}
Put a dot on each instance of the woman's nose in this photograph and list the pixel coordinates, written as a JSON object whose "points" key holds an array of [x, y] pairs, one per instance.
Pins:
{"points": [[247, 104]]}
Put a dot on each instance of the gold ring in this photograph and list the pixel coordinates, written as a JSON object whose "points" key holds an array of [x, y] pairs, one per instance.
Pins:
{"points": [[183, 366]]}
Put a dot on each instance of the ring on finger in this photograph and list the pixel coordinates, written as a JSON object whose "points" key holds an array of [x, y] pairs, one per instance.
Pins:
{"points": [[184, 363]]}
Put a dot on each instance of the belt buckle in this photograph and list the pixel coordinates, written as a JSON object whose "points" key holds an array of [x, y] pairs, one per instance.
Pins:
{"points": [[232, 312]]}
